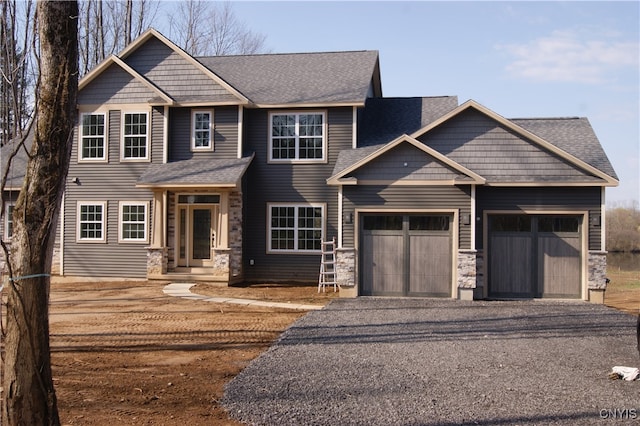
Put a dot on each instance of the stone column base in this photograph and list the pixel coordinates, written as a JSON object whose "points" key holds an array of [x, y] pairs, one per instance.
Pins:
{"points": [[596, 296], [465, 293]]}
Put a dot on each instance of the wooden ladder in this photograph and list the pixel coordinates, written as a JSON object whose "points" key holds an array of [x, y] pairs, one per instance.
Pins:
{"points": [[328, 266]]}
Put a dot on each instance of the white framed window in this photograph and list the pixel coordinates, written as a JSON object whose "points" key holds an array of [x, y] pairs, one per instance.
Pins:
{"points": [[8, 220], [92, 221], [201, 130], [295, 227], [135, 136], [297, 136], [93, 137], [133, 221]]}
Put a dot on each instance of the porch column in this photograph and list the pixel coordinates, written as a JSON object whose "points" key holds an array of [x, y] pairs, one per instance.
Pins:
{"points": [[223, 238], [157, 251], [158, 225]]}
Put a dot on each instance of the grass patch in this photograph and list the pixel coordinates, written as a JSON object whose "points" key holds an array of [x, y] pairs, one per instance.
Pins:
{"points": [[623, 280]]}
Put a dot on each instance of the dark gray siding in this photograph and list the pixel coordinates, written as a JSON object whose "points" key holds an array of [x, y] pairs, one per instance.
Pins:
{"points": [[274, 183], [109, 182], [541, 198], [400, 198], [115, 85], [225, 142], [496, 153], [178, 77], [406, 162]]}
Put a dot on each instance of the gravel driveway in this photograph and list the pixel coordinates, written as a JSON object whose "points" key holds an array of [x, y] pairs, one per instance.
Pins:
{"points": [[378, 361]]}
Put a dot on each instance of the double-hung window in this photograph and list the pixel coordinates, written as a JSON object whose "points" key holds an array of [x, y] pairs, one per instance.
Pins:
{"points": [[92, 221], [93, 141], [135, 130], [297, 137], [295, 228], [201, 131], [133, 221]]}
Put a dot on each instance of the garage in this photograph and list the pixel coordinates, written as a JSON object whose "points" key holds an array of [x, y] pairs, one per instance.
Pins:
{"points": [[534, 256], [406, 255]]}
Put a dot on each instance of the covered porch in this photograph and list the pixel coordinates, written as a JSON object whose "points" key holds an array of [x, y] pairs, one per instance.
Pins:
{"points": [[196, 231]]}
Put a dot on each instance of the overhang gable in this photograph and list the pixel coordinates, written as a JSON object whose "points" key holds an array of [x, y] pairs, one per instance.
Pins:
{"points": [[159, 96], [594, 175], [403, 168]]}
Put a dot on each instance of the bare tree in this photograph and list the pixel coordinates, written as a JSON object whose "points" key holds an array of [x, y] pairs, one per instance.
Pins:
{"points": [[29, 396], [15, 67], [103, 31], [207, 28]]}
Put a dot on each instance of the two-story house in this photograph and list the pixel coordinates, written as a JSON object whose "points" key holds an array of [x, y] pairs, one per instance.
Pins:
{"points": [[236, 168]]}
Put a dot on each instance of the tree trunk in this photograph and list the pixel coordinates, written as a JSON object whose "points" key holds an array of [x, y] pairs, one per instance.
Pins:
{"points": [[29, 395]]}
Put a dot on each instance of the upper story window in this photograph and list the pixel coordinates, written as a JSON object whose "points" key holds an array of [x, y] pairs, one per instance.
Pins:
{"points": [[135, 129], [201, 131], [297, 137], [93, 141]]}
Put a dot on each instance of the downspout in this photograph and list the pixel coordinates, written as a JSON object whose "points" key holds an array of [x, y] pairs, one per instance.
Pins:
{"points": [[340, 216]]}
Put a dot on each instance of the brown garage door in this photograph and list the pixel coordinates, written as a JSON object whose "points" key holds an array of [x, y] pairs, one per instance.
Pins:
{"points": [[534, 256], [406, 255]]}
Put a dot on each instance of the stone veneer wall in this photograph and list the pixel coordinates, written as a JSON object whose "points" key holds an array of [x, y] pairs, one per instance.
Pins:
{"points": [[235, 234], [597, 270], [157, 260], [346, 267], [467, 269]]}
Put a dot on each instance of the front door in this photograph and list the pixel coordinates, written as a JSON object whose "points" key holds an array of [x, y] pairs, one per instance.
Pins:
{"points": [[197, 224]]}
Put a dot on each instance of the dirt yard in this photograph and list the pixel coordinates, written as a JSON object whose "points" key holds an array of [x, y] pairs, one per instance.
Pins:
{"points": [[125, 353]]}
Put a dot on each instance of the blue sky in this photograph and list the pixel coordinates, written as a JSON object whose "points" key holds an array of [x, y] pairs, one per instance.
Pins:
{"points": [[520, 59]]}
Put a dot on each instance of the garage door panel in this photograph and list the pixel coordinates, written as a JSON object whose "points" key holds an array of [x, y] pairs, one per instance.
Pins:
{"points": [[560, 265], [430, 264], [512, 271], [383, 271]]}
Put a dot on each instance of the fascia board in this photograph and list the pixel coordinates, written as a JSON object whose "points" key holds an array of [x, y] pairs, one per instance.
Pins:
{"points": [[521, 131], [153, 33]]}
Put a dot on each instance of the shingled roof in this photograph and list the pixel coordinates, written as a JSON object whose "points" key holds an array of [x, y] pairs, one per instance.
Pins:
{"points": [[300, 78]]}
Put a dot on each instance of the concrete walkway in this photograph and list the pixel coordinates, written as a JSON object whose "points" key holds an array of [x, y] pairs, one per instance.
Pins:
{"points": [[183, 290]]}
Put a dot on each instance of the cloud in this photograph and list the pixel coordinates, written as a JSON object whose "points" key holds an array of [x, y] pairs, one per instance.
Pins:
{"points": [[570, 56]]}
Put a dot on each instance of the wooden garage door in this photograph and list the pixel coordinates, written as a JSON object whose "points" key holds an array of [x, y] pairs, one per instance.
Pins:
{"points": [[534, 256], [406, 255]]}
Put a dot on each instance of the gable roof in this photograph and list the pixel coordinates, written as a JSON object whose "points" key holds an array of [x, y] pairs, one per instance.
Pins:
{"points": [[301, 79], [153, 35], [562, 139], [363, 156], [112, 60], [18, 170]]}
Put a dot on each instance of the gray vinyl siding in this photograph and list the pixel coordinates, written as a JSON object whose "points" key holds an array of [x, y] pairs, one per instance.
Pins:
{"points": [[115, 86], [541, 199], [399, 198], [225, 134], [108, 182], [406, 162], [481, 144], [287, 183], [179, 78]]}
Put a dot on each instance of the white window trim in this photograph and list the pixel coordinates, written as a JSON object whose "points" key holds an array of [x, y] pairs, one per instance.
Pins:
{"points": [[105, 157], [209, 148], [7, 218], [323, 208], [144, 240], [104, 221], [297, 160], [147, 157]]}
